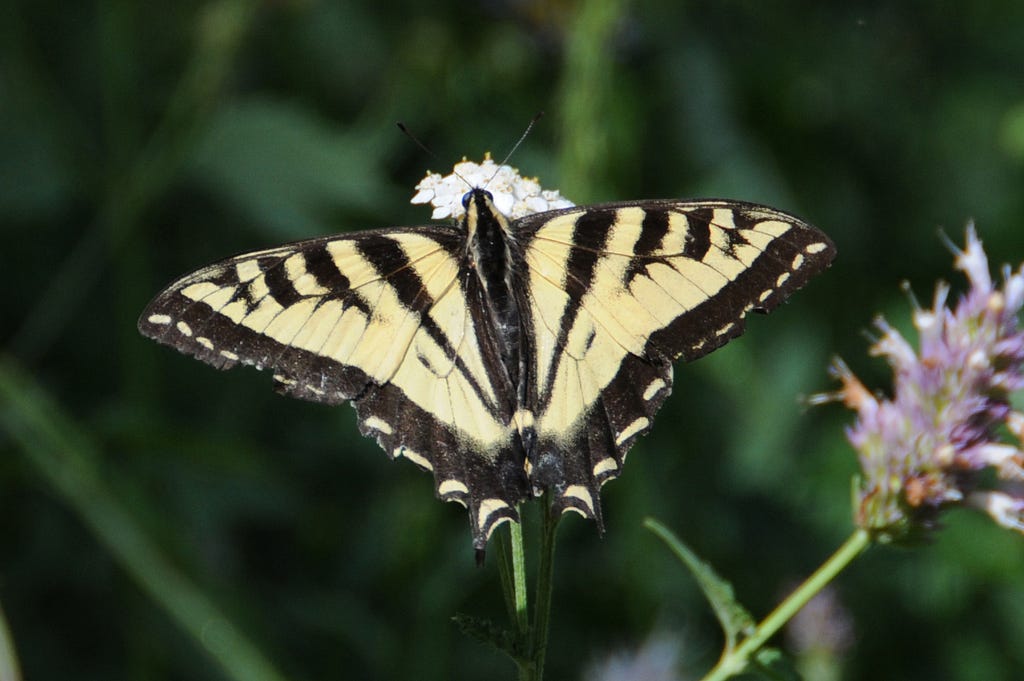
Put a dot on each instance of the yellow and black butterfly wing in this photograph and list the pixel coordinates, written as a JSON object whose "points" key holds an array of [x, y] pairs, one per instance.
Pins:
{"points": [[390, 320], [616, 293]]}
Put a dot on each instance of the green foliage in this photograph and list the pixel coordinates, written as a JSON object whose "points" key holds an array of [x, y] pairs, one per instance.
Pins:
{"points": [[283, 168], [734, 619], [141, 140]]}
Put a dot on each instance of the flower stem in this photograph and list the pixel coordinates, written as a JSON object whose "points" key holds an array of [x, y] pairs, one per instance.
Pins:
{"points": [[520, 613], [545, 582], [738, 660], [532, 636]]}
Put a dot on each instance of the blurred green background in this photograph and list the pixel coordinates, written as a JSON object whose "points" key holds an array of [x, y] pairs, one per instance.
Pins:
{"points": [[153, 510]]}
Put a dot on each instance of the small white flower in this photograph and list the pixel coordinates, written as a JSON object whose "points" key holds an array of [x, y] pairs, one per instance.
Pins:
{"points": [[514, 195]]}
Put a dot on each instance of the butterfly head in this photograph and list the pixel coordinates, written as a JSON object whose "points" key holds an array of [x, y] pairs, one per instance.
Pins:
{"points": [[474, 195], [480, 208], [487, 228]]}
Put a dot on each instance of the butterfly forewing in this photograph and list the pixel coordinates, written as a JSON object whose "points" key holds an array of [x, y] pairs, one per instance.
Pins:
{"points": [[499, 403]]}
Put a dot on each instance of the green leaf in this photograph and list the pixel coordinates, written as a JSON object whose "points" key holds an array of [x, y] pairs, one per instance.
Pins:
{"points": [[734, 618], [773, 664], [490, 634]]}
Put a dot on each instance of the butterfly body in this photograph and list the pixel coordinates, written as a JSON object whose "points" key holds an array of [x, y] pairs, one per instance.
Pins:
{"points": [[508, 357]]}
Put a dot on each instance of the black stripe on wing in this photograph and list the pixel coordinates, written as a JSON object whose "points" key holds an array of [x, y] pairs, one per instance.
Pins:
{"points": [[590, 234]]}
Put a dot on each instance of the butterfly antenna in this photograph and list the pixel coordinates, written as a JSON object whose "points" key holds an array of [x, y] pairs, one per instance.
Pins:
{"points": [[533, 121], [429, 151], [416, 141]]}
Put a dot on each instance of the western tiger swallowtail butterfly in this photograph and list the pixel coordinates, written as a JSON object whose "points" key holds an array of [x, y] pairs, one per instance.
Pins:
{"points": [[507, 355]]}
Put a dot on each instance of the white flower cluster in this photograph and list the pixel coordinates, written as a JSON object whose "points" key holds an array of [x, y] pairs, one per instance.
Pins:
{"points": [[514, 195]]}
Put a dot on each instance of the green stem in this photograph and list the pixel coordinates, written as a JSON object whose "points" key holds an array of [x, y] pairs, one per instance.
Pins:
{"points": [[545, 584], [738, 660], [520, 614]]}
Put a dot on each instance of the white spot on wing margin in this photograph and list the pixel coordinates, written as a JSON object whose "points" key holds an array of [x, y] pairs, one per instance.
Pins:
{"points": [[416, 458], [606, 465], [654, 388], [632, 429], [380, 424], [580, 493], [489, 507], [452, 486]]}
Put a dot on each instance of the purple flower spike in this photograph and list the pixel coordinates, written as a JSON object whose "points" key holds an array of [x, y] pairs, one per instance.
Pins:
{"points": [[925, 449]]}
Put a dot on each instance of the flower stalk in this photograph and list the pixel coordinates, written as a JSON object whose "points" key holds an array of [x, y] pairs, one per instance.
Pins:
{"points": [[736, 661], [528, 646]]}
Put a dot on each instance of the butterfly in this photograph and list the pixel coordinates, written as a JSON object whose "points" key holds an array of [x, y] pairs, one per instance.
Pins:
{"points": [[509, 356]]}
